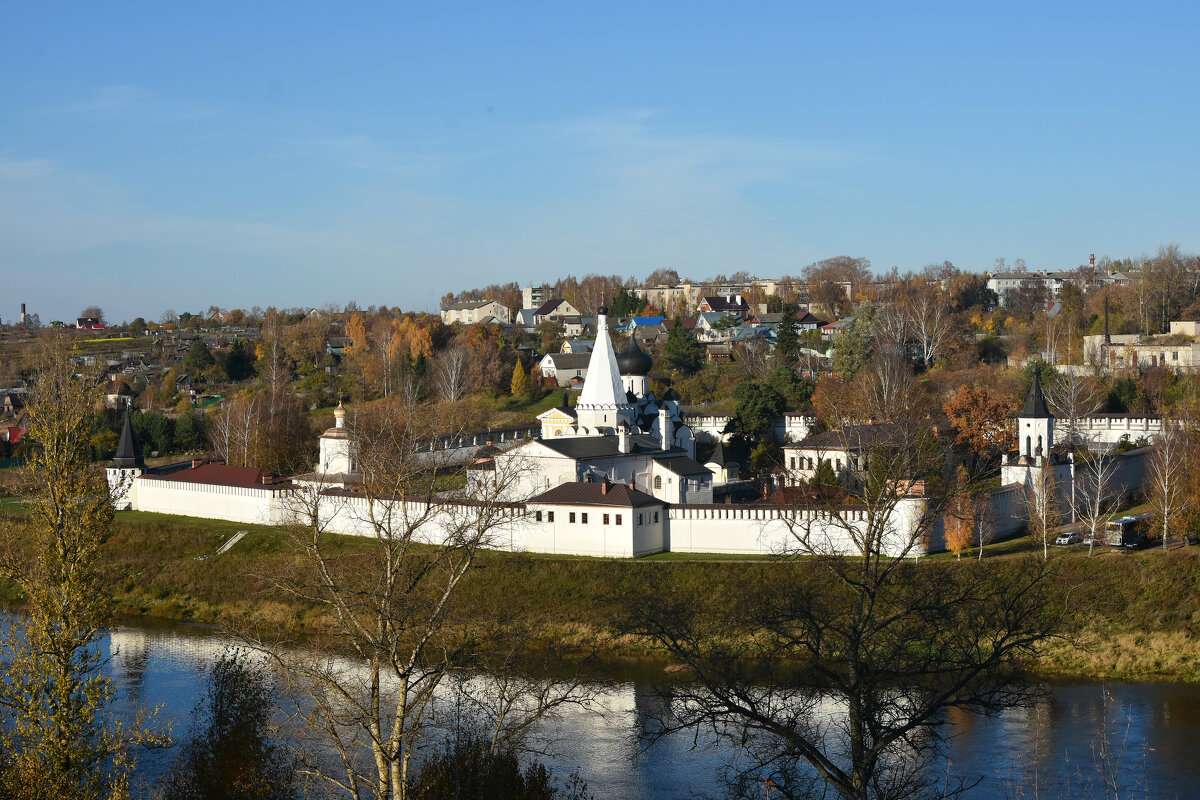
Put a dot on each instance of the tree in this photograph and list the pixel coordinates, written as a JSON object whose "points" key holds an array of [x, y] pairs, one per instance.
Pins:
{"points": [[520, 380], [198, 358], [60, 737], [239, 365], [889, 650], [391, 602], [983, 425], [232, 753], [450, 373], [1073, 398], [1165, 479], [962, 512], [758, 404], [787, 338], [1041, 500], [855, 345], [682, 351], [625, 303], [1094, 493], [93, 312]]}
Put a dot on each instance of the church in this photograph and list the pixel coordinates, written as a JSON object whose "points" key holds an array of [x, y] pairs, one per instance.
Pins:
{"points": [[617, 432]]}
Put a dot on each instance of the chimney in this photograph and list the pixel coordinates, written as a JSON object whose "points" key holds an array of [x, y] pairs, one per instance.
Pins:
{"points": [[196, 462], [1092, 260], [604, 486], [664, 427], [587, 477], [623, 443]]}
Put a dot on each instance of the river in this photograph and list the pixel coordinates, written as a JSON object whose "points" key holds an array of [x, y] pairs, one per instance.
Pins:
{"points": [[1158, 722]]}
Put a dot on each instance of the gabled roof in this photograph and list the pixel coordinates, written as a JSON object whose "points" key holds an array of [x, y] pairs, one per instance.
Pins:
{"points": [[468, 305], [548, 306], [595, 494], [569, 360]]}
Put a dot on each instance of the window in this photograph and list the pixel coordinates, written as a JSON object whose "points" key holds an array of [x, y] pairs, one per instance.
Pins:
{"points": [[793, 462], [658, 481], [1174, 355], [606, 519], [550, 516], [537, 515], [656, 516], [584, 518], [639, 519], [618, 519], [571, 518]]}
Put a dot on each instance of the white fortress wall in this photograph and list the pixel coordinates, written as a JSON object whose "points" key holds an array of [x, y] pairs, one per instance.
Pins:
{"points": [[257, 506]]}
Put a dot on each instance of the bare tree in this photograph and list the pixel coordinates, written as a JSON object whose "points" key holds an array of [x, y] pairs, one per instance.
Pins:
{"points": [[931, 324], [889, 649], [1073, 398], [450, 373], [93, 312], [1165, 483], [1094, 490], [1041, 501], [391, 603]]}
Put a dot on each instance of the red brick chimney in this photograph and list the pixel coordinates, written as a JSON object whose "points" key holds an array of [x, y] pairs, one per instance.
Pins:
{"points": [[604, 486]]}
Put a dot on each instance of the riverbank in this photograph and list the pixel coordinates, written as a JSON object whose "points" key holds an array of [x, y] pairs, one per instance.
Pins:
{"points": [[1136, 614]]}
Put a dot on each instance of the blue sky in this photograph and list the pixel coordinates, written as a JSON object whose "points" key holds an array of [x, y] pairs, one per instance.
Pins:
{"points": [[180, 155]]}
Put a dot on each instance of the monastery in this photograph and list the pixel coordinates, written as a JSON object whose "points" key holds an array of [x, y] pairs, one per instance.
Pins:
{"points": [[613, 475]]}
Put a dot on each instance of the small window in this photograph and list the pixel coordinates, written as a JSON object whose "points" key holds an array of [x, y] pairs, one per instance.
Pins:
{"points": [[793, 462], [550, 516], [583, 519], [658, 481], [1174, 355], [571, 518], [618, 519], [606, 519], [639, 519], [537, 515]]}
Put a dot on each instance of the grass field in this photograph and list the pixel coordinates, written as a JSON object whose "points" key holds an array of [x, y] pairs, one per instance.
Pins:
{"points": [[1135, 615]]}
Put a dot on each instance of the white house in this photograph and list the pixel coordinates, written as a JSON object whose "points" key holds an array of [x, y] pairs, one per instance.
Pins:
{"points": [[473, 311]]}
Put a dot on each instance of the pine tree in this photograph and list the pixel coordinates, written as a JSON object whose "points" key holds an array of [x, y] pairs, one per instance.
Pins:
{"points": [[787, 338], [682, 350]]}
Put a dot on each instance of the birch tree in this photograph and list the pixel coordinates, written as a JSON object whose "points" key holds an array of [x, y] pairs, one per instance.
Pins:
{"points": [[450, 374], [1041, 500], [59, 736], [1165, 480], [1095, 490], [390, 602]]}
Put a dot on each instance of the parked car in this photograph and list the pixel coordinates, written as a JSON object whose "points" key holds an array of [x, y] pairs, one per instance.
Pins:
{"points": [[1068, 538]]}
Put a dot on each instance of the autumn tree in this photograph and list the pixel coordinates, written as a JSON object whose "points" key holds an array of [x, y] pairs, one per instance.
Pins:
{"points": [[519, 385], [962, 513], [60, 737], [982, 423]]}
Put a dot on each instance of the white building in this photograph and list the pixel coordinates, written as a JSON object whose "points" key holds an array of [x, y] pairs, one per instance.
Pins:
{"points": [[473, 311]]}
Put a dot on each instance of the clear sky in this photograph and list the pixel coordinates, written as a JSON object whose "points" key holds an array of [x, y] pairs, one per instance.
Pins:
{"points": [[178, 155]]}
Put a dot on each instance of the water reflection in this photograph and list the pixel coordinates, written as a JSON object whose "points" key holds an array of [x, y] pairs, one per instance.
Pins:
{"points": [[1054, 739]]}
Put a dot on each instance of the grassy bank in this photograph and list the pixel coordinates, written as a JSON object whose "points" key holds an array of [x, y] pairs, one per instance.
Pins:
{"points": [[1136, 614]]}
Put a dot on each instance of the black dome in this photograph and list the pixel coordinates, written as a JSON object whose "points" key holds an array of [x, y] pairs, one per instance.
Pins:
{"points": [[633, 360]]}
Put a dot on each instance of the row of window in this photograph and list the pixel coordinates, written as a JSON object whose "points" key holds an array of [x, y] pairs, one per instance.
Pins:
{"points": [[537, 515], [808, 463]]}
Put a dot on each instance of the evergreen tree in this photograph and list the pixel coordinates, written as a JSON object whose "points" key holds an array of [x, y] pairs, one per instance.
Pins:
{"points": [[239, 364], [625, 304], [682, 350], [198, 358], [758, 404], [824, 475], [787, 338]]}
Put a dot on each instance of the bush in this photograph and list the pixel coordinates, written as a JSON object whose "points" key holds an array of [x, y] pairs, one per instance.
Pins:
{"points": [[466, 769]]}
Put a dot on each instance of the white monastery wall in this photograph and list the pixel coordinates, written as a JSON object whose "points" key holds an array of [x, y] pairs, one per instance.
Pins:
{"points": [[233, 503]]}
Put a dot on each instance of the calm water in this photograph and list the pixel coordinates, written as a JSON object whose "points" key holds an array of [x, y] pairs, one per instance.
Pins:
{"points": [[1159, 722]]}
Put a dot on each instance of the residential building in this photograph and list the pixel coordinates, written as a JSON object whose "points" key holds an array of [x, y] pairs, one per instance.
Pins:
{"points": [[473, 311]]}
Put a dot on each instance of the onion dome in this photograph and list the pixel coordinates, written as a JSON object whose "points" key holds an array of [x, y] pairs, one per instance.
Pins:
{"points": [[633, 360]]}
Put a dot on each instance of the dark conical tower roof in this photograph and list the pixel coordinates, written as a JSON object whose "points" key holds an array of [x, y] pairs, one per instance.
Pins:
{"points": [[1035, 403], [633, 359], [129, 450]]}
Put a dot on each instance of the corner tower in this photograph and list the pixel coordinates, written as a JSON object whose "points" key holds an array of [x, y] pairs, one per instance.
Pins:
{"points": [[1035, 423], [126, 466], [336, 458]]}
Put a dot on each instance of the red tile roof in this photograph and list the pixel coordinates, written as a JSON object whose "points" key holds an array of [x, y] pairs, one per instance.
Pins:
{"points": [[223, 475]]}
